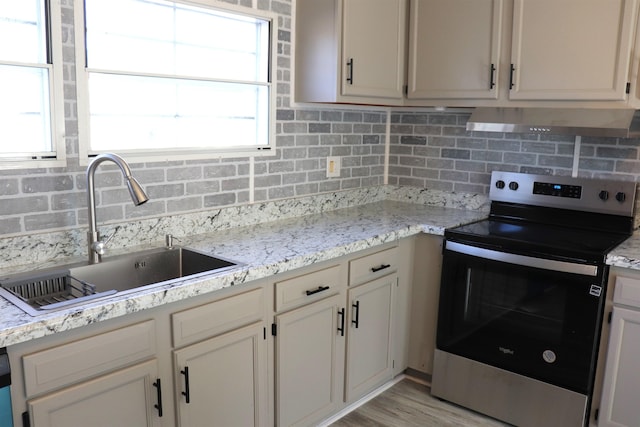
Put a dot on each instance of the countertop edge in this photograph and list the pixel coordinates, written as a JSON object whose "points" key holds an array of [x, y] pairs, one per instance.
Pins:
{"points": [[398, 220]]}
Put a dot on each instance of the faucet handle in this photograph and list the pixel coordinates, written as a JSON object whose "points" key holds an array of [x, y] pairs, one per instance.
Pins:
{"points": [[100, 246]]}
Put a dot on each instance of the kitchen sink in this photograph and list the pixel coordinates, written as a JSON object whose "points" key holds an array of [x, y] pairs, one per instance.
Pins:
{"points": [[51, 289]]}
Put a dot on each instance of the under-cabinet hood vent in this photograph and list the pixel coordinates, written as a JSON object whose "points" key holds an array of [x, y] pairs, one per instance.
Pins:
{"points": [[617, 123]]}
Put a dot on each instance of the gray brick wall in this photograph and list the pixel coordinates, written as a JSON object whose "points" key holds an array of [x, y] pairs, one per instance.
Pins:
{"points": [[50, 199], [427, 150], [434, 150], [305, 140]]}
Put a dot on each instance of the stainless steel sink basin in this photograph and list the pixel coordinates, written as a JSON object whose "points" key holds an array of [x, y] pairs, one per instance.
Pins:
{"points": [[56, 288]]}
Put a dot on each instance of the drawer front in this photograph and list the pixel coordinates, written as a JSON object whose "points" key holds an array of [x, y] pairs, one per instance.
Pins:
{"points": [[218, 317], [89, 357], [627, 291], [307, 288], [372, 266]]}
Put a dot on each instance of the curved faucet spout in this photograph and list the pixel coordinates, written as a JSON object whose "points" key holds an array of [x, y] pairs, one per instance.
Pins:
{"points": [[138, 196]]}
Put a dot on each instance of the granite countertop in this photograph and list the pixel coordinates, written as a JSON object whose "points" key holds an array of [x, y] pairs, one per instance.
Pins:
{"points": [[266, 249], [627, 254]]}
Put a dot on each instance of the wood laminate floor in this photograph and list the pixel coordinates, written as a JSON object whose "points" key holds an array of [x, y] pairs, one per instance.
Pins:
{"points": [[409, 404]]}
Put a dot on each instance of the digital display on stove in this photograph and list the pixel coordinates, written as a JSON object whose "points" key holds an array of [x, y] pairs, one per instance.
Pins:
{"points": [[557, 190]]}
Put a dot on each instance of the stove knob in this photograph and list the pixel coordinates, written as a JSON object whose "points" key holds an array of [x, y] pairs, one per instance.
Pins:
{"points": [[621, 197], [513, 185], [500, 184], [604, 195]]}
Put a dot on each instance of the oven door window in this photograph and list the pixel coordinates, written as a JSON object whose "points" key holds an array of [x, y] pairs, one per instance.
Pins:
{"points": [[540, 323]]}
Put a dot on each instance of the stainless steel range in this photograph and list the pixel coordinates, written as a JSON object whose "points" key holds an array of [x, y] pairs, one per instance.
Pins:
{"points": [[522, 298]]}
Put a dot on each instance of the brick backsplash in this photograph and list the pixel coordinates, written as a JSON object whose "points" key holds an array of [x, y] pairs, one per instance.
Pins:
{"points": [[427, 149], [434, 150]]}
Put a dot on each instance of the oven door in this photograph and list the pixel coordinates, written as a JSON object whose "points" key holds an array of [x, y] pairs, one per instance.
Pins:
{"points": [[536, 317]]}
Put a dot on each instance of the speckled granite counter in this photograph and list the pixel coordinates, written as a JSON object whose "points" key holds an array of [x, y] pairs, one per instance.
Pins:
{"points": [[266, 248], [626, 255]]}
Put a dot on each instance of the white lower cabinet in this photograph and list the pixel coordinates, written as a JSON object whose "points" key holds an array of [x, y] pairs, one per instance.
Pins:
{"points": [[307, 359], [309, 347], [220, 367], [126, 397], [335, 331], [106, 379], [369, 360], [289, 351], [223, 381], [201, 366], [619, 405]]}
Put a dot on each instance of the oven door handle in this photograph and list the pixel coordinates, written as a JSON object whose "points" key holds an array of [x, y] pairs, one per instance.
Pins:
{"points": [[545, 264]]}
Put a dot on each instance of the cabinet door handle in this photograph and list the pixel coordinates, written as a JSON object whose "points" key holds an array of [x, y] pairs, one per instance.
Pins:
{"points": [[356, 319], [350, 71], [382, 267], [185, 393], [511, 83], [341, 327], [315, 291], [492, 76], [158, 387]]}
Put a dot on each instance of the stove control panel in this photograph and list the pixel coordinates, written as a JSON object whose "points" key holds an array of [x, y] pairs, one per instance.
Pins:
{"points": [[558, 190], [584, 194]]}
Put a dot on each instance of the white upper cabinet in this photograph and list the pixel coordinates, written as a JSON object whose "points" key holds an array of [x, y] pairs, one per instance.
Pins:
{"points": [[571, 49], [350, 51], [465, 53], [373, 47], [454, 49]]}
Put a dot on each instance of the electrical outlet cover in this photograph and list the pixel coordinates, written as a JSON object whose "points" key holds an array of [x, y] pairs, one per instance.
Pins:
{"points": [[333, 167]]}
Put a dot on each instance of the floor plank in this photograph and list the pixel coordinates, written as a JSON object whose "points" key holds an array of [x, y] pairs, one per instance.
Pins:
{"points": [[409, 404]]}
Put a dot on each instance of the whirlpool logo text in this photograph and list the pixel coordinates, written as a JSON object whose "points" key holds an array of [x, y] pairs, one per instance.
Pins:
{"points": [[506, 351]]}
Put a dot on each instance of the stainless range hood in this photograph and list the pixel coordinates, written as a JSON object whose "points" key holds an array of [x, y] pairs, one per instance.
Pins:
{"points": [[618, 123]]}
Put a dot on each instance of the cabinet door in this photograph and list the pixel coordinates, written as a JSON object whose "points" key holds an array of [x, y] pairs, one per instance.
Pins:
{"points": [[454, 49], [619, 405], [306, 363], [369, 361], [373, 47], [223, 381], [123, 398], [571, 49]]}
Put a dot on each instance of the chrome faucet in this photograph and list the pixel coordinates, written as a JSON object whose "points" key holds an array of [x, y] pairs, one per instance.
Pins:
{"points": [[138, 196]]}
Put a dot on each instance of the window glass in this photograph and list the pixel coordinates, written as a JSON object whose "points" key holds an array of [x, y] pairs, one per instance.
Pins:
{"points": [[23, 22], [191, 78], [168, 113], [26, 82], [24, 110]]}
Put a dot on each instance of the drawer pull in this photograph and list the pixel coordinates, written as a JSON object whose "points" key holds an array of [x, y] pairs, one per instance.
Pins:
{"points": [[492, 74], [356, 319], [158, 406], [341, 327], [320, 289], [382, 267], [185, 393], [511, 82]]}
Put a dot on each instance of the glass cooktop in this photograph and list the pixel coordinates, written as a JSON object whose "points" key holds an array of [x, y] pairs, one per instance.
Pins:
{"points": [[536, 239]]}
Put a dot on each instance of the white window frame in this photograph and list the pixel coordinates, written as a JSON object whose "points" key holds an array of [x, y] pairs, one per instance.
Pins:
{"points": [[56, 158], [82, 73]]}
